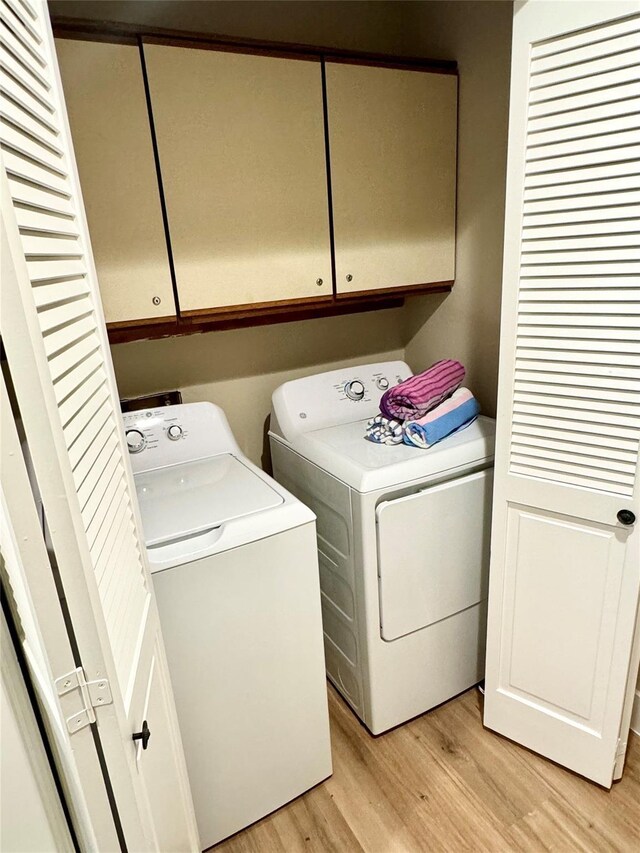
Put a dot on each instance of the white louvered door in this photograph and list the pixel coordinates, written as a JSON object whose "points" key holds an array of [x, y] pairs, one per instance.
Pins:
{"points": [[565, 568], [55, 340]]}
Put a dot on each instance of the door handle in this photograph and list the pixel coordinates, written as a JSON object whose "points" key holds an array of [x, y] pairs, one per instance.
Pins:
{"points": [[143, 735], [625, 516]]}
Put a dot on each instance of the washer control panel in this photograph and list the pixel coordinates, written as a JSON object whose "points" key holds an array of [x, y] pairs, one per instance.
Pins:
{"points": [[171, 434], [149, 427]]}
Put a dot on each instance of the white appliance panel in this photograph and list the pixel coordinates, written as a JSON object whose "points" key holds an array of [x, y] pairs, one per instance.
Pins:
{"points": [[436, 648], [433, 553], [336, 397], [170, 435], [243, 635]]}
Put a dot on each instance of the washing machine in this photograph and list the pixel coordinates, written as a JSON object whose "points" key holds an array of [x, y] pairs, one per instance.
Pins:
{"points": [[235, 572], [403, 542]]}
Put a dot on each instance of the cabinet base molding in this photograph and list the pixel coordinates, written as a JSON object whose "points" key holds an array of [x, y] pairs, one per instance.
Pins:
{"points": [[266, 313]]}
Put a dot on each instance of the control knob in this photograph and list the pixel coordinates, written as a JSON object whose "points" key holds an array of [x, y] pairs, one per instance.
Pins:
{"points": [[135, 440], [174, 432], [382, 382], [354, 390]]}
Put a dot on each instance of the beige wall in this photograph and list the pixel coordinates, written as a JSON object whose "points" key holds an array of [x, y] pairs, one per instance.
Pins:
{"points": [[465, 323], [239, 369]]}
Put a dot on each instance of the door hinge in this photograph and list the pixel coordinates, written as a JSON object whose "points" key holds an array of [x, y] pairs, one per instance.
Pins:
{"points": [[94, 694], [618, 762]]}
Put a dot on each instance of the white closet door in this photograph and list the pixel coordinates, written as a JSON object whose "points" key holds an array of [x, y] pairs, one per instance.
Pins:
{"points": [[565, 569], [55, 339]]}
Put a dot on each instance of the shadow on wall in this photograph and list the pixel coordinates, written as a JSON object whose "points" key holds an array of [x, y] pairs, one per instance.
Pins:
{"points": [[466, 324]]}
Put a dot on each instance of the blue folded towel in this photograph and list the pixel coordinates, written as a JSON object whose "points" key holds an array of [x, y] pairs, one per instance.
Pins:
{"points": [[460, 410]]}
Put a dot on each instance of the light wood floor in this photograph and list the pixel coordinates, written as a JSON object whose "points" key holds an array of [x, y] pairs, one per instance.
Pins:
{"points": [[443, 783]]}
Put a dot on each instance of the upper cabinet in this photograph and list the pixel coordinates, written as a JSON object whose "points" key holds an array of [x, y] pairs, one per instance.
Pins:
{"points": [[392, 142], [243, 163], [255, 185], [105, 96]]}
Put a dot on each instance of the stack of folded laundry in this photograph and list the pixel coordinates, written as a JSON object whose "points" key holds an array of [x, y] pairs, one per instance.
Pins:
{"points": [[426, 408]]}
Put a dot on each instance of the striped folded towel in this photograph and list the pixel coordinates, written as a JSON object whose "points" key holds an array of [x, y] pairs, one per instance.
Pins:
{"points": [[383, 430], [456, 413], [414, 397]]}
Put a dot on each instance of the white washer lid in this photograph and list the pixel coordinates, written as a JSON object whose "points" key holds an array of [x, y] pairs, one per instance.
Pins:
{"points": [[182, 500]]}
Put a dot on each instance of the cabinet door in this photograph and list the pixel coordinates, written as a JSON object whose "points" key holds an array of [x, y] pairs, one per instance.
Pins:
{"points": [[565, 553], [392, 144], [105, 97], [242, 153]]}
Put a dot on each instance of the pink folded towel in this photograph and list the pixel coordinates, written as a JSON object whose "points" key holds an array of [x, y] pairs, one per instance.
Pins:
{"points": [[414, 397]]}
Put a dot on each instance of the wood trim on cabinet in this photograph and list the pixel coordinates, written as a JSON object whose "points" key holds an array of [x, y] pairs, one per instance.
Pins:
{"points": [[380, 60], [84, 28], [221, 321]]}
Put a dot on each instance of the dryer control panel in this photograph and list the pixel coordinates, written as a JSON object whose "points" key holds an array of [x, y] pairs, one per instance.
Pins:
{"points": [[336, 397], [169, 435]]}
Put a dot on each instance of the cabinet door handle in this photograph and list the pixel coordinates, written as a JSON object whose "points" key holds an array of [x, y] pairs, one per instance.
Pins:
{"points": [[625, 516], [143, 735]]}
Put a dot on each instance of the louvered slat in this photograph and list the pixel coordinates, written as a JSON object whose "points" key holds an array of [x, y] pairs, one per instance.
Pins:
{"points": [[76, 377], [29, 104], [113, 539], [85, 441], [576, 393], [586, 115], [26, 19], [27, 194], [599, 39], [65, 361], [35, 148], [85, 464]]}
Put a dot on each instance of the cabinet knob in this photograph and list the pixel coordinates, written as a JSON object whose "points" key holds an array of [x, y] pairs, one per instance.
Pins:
{"points": [[319, 282], [625, 516], [349, 277], [156, 300]]}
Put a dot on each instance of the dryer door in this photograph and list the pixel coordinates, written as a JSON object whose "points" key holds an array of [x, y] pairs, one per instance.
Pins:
{"points": [[433, 553]]}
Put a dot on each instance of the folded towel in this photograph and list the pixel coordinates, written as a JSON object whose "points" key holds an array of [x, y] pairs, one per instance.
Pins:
{"points": [[456, 413], [383, 430], [414, 397]]}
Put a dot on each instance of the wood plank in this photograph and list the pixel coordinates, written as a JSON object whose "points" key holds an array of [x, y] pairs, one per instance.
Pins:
{"points": [[443, 782]]}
